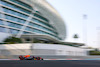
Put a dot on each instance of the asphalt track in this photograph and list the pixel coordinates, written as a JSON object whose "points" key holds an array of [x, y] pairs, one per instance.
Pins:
{"points": [[50, 63]]}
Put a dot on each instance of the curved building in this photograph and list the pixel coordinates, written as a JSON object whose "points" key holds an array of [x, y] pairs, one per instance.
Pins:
{"points": [[30, 18]]}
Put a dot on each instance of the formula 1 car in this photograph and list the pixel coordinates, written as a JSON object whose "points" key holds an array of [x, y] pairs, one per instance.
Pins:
{"points": [[30, 58]]}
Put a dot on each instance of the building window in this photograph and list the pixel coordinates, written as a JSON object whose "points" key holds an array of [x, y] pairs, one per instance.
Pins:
{"points": [[14, 25], [2, 29], [29, 29], [26, 32], [15, 7], [0, 15], [22, 4], [14, 19], [13, 31], [36, 15], [31, 24], [38, 12], [1, 22], [14, 13]]}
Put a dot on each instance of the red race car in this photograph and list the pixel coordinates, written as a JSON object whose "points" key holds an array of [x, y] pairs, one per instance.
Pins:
{"points": [[28, 57]]}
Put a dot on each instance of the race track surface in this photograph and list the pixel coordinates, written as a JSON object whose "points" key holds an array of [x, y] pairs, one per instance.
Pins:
{"points": [[50, 63]]}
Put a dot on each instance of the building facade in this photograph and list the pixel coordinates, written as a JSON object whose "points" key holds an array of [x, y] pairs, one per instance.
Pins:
{"points": [[30, 17], [34, 19]]}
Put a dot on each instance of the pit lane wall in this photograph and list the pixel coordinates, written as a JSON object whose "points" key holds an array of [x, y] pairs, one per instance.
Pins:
{"points": [[41, 49]]}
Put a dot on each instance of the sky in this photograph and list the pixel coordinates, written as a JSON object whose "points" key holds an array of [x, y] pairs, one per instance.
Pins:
{"points": [[72, 11]]}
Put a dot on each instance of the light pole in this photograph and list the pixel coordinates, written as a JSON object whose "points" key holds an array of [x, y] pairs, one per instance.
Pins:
{"points": [[85, 29], [98, 37]]}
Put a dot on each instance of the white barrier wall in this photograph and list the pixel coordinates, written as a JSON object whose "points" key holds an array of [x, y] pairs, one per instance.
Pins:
{"points": [[62, 49], [41, 49]]}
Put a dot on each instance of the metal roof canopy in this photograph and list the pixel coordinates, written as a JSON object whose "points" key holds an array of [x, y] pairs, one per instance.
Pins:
{"points": [[73, 43], [49, 38], [40, 37]]}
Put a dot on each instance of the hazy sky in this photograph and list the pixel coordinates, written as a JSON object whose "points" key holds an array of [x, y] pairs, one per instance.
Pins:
{"points": [[72, 12]]}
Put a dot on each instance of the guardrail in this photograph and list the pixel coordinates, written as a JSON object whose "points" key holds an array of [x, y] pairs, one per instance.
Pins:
{"points": [[51, 57]]}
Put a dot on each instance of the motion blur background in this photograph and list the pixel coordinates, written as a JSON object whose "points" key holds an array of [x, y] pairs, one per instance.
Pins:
{"points": [[49, 27]]}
